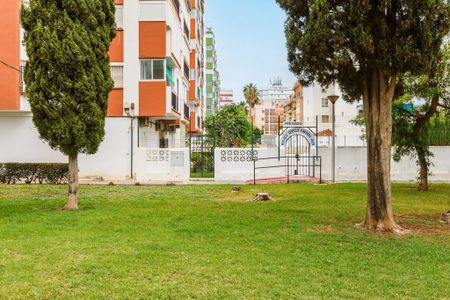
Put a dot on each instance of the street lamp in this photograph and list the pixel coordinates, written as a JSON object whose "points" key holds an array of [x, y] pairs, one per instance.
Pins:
{"points": [[333, 99], [129, 111]]}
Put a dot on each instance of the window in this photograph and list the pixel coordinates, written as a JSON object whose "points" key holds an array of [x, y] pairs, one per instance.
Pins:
{"points": [[117, 76], [186, 69], [153, 69], [325, 119], [324, 102], [22, 77], [119, 16]]}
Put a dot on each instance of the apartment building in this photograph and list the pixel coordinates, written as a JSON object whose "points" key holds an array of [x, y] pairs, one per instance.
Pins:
{"points": [[212, 74], [157, 61], [293, 107], [270, 112], [226, 97]]}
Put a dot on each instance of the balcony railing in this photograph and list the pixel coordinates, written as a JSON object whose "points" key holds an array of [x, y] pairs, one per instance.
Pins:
{"points": [[187, 112], [174, 101]]}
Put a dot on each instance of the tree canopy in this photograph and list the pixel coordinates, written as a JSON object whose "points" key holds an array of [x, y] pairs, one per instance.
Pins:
{"points": [[68, 75], [230, 127], [252, 95], [338, 41]]}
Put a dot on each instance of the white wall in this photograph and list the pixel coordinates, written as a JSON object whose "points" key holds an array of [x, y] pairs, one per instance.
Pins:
{"points": [[20, 142], [351, 165], [162, 165]]}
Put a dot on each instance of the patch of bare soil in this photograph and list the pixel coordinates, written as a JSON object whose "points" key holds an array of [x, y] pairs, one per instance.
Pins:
{"points": [[423, 224]]}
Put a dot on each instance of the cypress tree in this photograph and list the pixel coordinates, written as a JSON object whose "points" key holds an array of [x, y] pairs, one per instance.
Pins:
{"points": [[68, 75], [365, 46]]}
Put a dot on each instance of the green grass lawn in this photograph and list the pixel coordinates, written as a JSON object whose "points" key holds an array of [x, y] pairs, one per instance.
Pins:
{"points": [[205, 242]]}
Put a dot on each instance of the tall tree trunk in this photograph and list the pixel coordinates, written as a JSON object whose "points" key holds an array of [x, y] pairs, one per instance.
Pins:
{"points": [[423, 173], [72, 202], [420, 147], [378, 95]]}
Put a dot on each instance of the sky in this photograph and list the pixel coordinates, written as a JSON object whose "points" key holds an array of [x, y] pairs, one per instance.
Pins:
{"points": [[250, 42]]}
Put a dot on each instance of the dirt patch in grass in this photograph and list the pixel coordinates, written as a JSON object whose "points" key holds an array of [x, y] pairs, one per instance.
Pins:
{"points": [[324, 229], [408, 188], [423, 224]]}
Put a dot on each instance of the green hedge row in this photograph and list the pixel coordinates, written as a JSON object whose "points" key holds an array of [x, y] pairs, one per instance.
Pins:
{"points": [[52, 173]]}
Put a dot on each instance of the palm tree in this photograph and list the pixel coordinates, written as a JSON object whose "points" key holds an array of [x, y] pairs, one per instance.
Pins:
{"points": [[253, 98]]}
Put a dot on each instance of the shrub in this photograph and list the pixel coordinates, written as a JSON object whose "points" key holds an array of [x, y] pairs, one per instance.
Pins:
{"points": [[52, 173]]}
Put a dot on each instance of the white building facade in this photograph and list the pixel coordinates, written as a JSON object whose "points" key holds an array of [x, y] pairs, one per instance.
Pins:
{"points": [[317, 104]]}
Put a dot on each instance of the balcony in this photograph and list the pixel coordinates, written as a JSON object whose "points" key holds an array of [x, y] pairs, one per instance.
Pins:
{"points": [[187, 112]]}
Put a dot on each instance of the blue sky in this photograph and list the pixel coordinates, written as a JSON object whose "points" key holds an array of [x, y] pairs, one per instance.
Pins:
{"points": [[250, 41]]}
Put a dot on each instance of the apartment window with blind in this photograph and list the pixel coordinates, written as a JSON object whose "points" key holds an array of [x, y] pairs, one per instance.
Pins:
{"points": [[153, 69], [324, 102], [117, 76], [119, 16]]}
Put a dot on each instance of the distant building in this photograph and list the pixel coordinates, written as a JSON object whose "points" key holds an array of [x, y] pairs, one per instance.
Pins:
{"points": [[293, 107], [269, 113], [316, 103], [212, 74], [226, 97]]}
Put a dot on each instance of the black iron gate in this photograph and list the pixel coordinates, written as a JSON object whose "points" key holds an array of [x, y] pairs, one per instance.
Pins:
{"points": [[201, 151], [300, 160]]}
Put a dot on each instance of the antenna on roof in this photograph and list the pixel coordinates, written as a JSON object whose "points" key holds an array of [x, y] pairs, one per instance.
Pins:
{"points": [[276, 81]]}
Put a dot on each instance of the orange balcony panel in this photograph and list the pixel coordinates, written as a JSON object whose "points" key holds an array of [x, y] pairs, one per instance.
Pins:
{"points": [[115, 103], [10, 54], [192, 90], [152, 98], [192, 59], [193, 29], [116, 48], [152, 39], [193, 3], [193, 124], [118, 2]]}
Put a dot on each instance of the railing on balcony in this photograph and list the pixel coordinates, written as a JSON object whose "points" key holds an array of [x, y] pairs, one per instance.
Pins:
{"points": [[174, 101], [187, 112]]}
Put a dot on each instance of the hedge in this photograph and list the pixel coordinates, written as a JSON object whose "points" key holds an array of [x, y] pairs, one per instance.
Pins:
{"points": [[52, 173]]}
